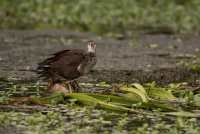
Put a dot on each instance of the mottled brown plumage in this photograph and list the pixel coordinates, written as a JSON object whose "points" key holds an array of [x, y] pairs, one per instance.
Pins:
{"points": [[68, 65]]}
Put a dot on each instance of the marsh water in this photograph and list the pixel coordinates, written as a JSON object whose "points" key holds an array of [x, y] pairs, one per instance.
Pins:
{"points": [[140, 58]]}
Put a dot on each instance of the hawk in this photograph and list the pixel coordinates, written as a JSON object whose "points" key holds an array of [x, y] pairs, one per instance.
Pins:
{"points": [[67, 65]]}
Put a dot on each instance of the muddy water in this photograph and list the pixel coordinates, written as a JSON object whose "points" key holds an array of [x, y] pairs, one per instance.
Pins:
{"points": [[139, 58]]}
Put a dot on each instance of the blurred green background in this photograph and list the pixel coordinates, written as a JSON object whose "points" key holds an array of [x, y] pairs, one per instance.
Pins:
{"points": [[102, 16]]}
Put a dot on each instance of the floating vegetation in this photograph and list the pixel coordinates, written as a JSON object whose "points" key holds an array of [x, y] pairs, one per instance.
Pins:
{"points": [[122, 98], [124, 107]]}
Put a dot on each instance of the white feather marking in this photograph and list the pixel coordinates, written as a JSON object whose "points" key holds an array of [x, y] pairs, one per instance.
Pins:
{"points": [[91, 49], [79, 67]]}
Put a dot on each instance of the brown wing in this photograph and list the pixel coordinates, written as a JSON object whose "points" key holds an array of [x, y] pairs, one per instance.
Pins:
{"points": [[61, 65]]}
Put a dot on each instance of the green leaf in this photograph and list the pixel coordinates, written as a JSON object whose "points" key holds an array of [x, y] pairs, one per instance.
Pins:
{"points": [[133, 97], [86, 99], [138, 91], [122, 100], [139, 86], [55, 98], [183, 114], [164, 106], [160, 93], [103, 84], [197, 100]]}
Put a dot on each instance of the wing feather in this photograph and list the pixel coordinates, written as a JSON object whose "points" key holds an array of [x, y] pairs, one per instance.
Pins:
{"points": [[62, 64]]}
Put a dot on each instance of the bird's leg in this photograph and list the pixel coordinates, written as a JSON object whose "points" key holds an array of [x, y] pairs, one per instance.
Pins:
{"points": [[72, 86], [76, 85], [50, 83], [69, 86]]}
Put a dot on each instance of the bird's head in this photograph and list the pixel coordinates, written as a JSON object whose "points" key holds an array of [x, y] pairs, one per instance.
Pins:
{"points": [[91, 46]]}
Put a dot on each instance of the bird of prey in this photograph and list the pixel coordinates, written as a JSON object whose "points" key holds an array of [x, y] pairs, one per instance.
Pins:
{"points": [[67, 65]]}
